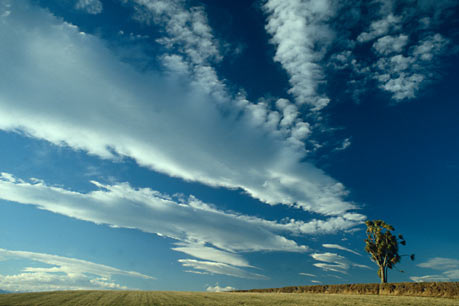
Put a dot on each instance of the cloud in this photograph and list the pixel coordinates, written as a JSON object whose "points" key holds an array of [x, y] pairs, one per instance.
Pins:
{"points": [[405, 42], [124, 206], [307, 274], [402, 75], [217, 288], [71, 90], [300, 34], [219, 268], [331, 262], [190, 220], [203, 252], [192, 48], [448, 266], [339, 247], [64, 274], [440, 263], [187, 29], [345, 144], [335, 263], [390, 44], [203, 231], [93, 7], [380, 27], [429, 278]]}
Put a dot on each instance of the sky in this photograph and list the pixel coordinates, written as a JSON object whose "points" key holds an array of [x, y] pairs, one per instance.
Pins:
{"points": [[220, 145]]}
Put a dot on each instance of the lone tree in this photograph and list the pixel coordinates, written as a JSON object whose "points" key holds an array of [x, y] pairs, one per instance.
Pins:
{"points": [[382, 245]]}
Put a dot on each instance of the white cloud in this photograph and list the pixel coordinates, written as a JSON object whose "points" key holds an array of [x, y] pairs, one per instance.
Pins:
{"points": [[344, 145], [220, 268], [331, 262], [217, 288], [448, 266], [452, 274], [339, 247], [390, 44], [189, 39], [189, 220], [429, 278], [403, 75], [403, 86], [209, 253], [150, 211], [380, 27], [405, 51], [187, 28], [299, 31], [307, 274], [189, 35], [430, 47], [69, 89], [334, 262], [64, 274], [93, 7], [440, 263], [203, 232]]}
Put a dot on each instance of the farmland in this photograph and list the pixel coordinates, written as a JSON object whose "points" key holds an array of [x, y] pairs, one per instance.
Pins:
{"points": [[127, 298]]}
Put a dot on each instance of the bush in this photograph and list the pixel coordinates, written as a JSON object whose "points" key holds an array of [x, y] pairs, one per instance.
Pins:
{"points": [[436, 289]]}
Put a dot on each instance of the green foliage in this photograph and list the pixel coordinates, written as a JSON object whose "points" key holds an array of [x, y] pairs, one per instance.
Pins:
{"points": [[382, 246]]}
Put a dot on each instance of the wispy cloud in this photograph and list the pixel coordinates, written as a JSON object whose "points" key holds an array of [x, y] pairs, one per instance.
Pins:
{"points": [[344, 145], [331, 262], [220, 268], [64, 274], [307, 274], [339, 247], [192, 47], [335, 263], [440, 263], [93, 7], [203, 231], [235, 145], [301, 35], [449, 268], [210, 253], [124, 206]]}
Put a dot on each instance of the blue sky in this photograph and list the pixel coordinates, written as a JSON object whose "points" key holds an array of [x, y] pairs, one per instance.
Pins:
{"points": [[212, 145]]}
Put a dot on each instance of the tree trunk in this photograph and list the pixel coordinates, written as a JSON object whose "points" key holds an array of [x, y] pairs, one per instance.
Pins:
{"points": [[383, 274]]}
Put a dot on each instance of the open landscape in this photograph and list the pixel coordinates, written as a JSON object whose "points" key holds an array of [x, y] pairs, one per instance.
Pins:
{"points": [[419, 294], [139, 298]]}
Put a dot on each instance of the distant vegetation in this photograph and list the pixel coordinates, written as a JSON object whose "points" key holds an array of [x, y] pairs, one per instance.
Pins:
{"points": [[143, 298], [434, 289]]}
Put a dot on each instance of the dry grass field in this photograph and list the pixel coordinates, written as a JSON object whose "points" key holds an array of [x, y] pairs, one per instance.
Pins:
{"points": [[143, 298]]}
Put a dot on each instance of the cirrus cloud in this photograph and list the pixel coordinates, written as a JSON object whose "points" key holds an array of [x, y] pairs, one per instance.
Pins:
{"points": [[68, 88], [61, 273]]}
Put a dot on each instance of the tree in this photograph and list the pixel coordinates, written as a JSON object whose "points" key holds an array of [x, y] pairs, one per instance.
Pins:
{"points": [[382, 245]]}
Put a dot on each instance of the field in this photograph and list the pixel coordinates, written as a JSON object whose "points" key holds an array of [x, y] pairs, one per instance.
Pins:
{"points": [[139, 298]]}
